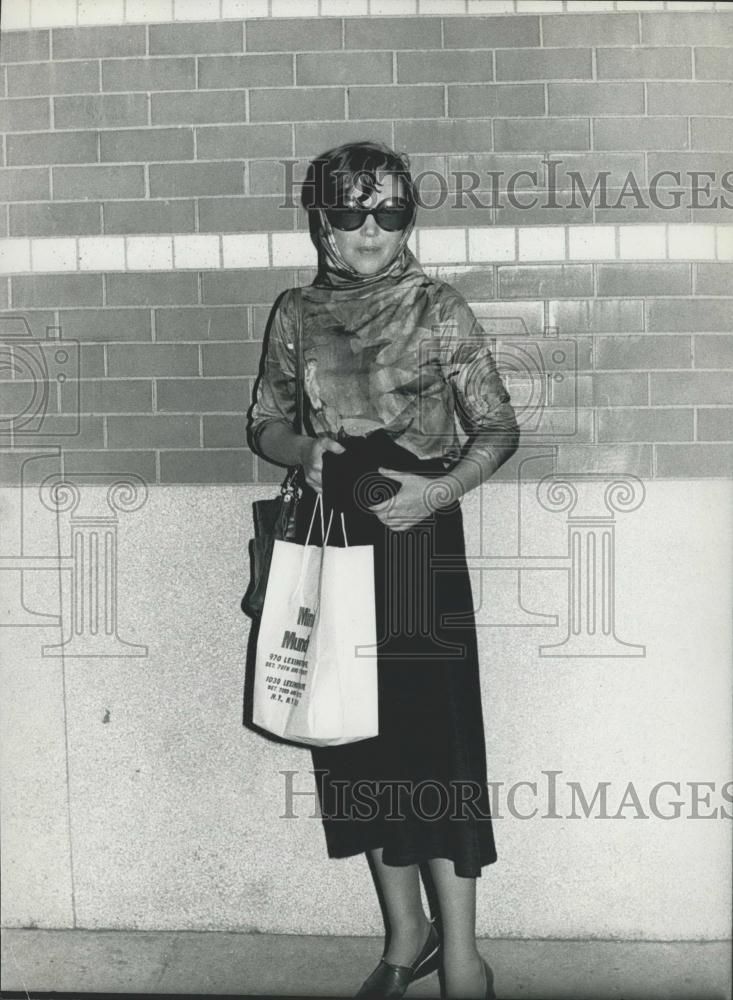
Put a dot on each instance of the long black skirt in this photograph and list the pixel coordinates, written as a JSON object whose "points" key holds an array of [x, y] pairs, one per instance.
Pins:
{"points": [[419, 788]]}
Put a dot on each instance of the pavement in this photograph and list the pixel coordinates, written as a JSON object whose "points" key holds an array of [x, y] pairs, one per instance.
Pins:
{"points": [[205, 963]]}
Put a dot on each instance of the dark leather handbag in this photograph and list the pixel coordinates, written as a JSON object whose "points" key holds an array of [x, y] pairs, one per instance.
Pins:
{"points": [[276, 518]]}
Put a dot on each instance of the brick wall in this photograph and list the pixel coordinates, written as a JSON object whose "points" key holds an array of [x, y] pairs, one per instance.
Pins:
{"points": [[144, 220]]}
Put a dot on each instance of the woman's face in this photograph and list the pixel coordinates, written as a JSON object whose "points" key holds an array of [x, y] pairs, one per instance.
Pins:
{"points": [[370, 248]]}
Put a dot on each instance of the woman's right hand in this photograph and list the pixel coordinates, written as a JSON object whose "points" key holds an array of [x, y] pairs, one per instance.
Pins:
{"points": [[313, 459]]}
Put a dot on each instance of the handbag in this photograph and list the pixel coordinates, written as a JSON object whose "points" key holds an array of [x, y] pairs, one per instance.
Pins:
{"points": [[276, 518]]}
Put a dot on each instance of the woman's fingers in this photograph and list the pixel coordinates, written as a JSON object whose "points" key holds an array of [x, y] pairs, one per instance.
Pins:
{"points": [[313, 465], [314, 481], [330, 445]]}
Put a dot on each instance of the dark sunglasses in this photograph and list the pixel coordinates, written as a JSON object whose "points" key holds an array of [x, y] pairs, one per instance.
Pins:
{"points": [[391, 219]]}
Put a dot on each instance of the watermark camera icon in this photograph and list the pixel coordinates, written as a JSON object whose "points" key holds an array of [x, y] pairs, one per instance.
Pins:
{"points": [[536, 370], [40, 379]]}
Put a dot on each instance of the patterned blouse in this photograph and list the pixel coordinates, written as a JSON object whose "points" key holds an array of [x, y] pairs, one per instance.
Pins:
{"points": [[405, 353]]}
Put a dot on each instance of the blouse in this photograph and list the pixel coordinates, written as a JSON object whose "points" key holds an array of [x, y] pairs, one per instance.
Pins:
{"points": [[410, 357]]}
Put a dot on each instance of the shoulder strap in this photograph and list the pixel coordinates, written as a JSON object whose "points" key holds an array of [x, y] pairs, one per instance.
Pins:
{"points": [[298, 297]]}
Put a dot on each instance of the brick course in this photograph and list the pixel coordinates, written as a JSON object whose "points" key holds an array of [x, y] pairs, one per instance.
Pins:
{"points": [[100, 111], [198, 37]]}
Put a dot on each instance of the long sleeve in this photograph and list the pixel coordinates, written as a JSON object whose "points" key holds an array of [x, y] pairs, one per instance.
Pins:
{"points": [[274, 395], [482, 402]]}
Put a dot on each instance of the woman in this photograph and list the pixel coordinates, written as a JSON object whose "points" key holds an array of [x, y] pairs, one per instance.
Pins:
{"points": [[407, 413]]}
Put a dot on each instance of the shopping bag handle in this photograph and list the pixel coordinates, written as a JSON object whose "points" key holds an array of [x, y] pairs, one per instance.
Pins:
{"points": [[325, 531], [307, 549], [317, 505], [343, 528]]}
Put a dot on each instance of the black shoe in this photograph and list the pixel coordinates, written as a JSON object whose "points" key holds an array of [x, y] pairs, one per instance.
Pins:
{"points": [[389, 980], [489, 995], [488, 978]]}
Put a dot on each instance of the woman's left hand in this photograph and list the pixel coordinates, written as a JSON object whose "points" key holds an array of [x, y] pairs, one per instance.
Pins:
{"points": [[410, 505]]}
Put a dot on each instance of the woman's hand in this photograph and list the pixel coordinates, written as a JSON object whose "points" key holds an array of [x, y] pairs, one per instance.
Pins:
{"points": [[416, 500], [313, 459]]}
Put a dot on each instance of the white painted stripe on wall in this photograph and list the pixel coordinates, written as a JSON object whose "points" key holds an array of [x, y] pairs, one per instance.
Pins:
{"points": [[196, 10], [200, 252], [490, 6], [691, 242], [585, 6], [442, 245], [724, 243], [15, 256], [50, 12], [497, 243], [149, 253], [101, 253], [542, 243], [439, 245], [18, 14], [292, 249], [387, 8], [244, 8], [149, 10], [48, 255], [106, 12], [539, 6], [447, 7], [642, 242], [245, 250], [592, 242]]}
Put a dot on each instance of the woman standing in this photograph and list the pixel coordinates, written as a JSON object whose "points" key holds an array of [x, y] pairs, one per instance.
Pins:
{"points": [[407, 413]]}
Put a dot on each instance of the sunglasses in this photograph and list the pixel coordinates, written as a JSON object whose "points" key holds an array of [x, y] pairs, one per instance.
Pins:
{"points": [[391, 219]]}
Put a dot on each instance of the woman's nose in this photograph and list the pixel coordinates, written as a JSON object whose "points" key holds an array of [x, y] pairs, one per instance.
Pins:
{"points": [[370, 227]]}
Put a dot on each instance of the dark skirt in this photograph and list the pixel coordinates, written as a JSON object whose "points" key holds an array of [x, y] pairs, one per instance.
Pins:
{"points": [[419, 788]]}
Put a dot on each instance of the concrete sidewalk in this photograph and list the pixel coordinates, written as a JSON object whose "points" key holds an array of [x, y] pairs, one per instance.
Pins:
{"points": [[192, 962]]}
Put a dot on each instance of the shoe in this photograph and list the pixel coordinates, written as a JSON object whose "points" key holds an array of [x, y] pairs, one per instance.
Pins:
{"points": [[389, 980], [488, 979], [489, 995]]}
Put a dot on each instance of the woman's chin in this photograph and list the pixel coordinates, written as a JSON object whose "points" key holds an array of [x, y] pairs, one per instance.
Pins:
{"points": [[369, 263]]}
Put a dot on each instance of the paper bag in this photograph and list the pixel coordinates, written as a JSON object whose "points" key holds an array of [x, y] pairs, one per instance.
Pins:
{"points": [[316, 663]]}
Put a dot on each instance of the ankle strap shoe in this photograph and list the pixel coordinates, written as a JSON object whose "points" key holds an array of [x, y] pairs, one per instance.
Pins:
{"points": [[390, 980]]}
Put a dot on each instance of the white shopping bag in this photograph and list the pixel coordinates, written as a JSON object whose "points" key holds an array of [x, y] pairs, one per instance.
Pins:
{"points": [[316, 664]]}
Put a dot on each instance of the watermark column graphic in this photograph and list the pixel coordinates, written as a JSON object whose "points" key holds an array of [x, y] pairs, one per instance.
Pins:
{"points": [[15, 558], [410, 592], [36, 376], [589, 562], [93, 563], [534, 367], [591, 559], [41, 384]]}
